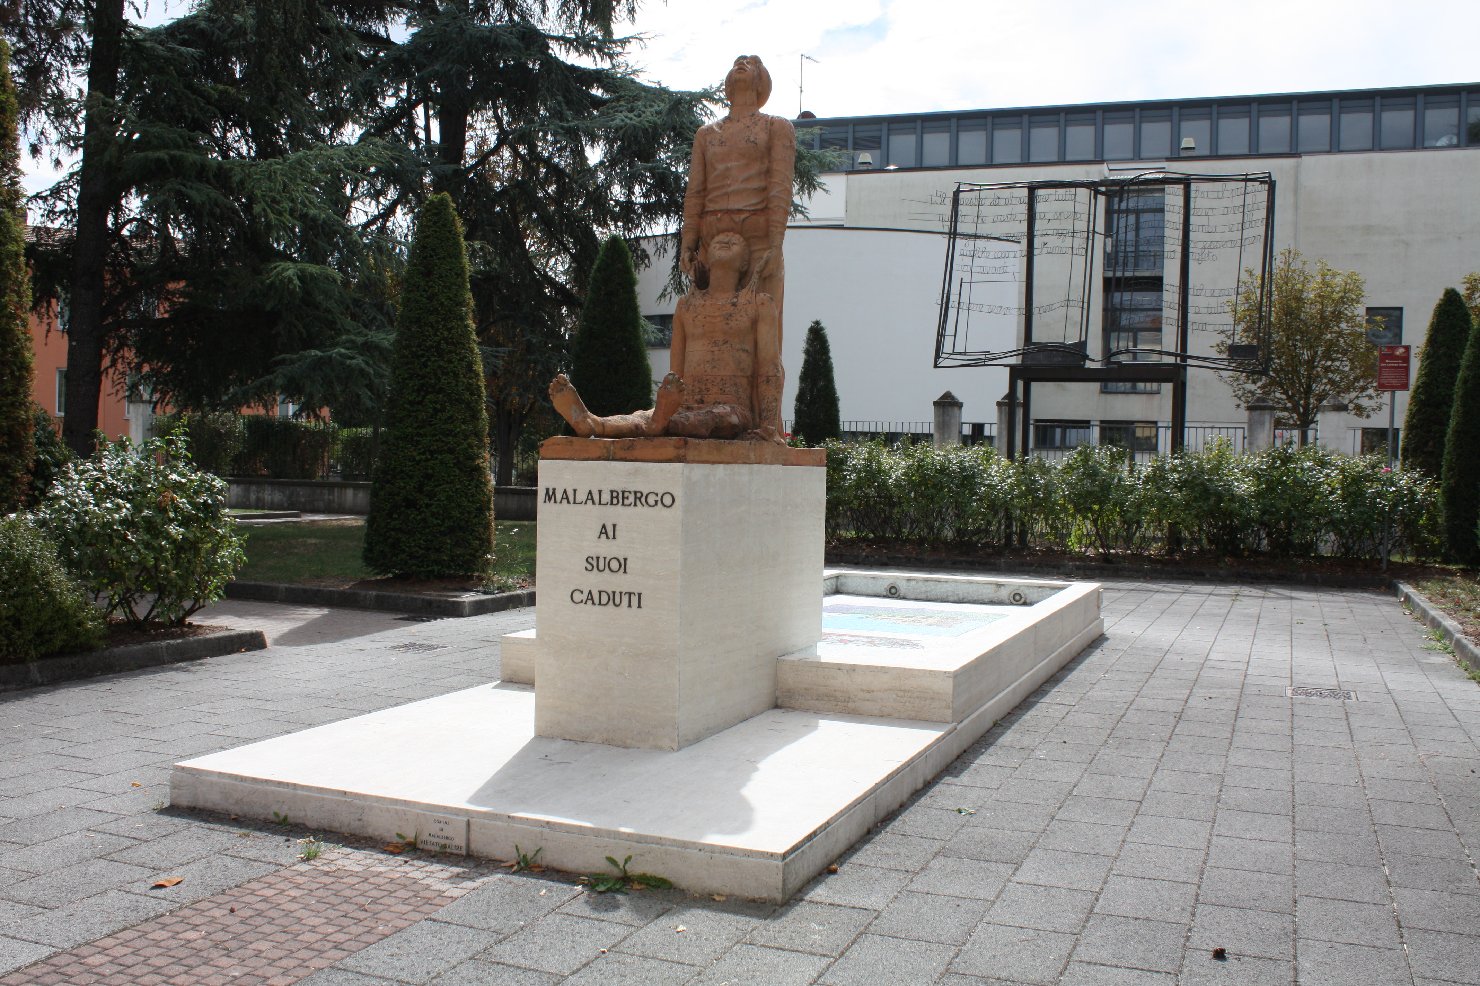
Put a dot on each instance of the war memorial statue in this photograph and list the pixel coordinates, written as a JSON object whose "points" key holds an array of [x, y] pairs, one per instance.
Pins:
{"points": [[725, 376]]}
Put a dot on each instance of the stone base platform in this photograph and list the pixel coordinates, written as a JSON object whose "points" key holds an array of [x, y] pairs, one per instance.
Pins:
{"points": [[756, 810]]}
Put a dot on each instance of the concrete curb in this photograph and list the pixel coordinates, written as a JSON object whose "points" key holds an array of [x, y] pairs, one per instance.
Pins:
{"points": [[1464, 648], [112, 660], [1102, 570], [445, 605]]}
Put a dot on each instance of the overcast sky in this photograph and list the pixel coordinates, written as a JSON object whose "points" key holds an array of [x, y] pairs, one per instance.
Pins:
{"points": [[904, 56]]}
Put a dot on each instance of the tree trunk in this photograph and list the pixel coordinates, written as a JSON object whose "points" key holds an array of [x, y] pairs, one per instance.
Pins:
{"points": [[506, 428], [95, 197]]}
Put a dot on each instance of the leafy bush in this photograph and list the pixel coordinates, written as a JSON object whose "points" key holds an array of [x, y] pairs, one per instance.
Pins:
{"points": [[1285, 501], [284, 448], [1290, 498], [354, 452], [216, 440], [52, 455], [145, 528], [43, 610], [1104, 493]]}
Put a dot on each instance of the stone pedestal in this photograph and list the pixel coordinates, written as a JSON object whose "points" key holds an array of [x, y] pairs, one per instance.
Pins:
{"points": [[672, 575], [947, 420], [1259, 433]]}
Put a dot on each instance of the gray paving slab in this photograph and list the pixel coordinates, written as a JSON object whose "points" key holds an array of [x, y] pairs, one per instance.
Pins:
{"points": [[1159, 795]]}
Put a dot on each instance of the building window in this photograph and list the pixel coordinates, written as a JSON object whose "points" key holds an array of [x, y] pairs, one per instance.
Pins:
{"points": [[1007, 140], [1313, 127], [1441, 122], [1375, 440], [62, 392], [1156, 135], [1385, 326], [1233, 130], [1043, 138], [1274, 129], [1060, 434], [1079, 138], [935, 150], [1356, 125], [1120, 137], [659, 331], [1136, 220], [1472, 121], [1138, 436], [971, 142], [868, 140], [1397, 124], [902, 146], [1135, 254], [1198, 125]]}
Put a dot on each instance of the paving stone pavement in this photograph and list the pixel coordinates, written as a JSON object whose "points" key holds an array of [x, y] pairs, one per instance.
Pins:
{"points": [[1160, 798]]}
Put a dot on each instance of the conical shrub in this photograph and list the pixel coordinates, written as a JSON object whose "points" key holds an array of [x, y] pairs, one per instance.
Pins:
{"points": [[609, 359], [1427, 420], [1460, 489], [815, 412], [431, 502]]}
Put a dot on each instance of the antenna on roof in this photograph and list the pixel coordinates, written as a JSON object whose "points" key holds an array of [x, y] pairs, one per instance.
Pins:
{"points": [[802, 60]]}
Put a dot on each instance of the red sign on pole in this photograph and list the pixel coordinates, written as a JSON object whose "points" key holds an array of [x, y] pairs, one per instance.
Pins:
{"points": [[1392, 367]]}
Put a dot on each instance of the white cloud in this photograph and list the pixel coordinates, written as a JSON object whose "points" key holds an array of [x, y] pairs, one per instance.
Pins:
{"points": [[902, 56]]}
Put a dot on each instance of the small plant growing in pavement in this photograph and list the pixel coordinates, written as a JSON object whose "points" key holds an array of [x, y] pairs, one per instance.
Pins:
{"points": [[313, 848], [524, 862], [621, 879]]}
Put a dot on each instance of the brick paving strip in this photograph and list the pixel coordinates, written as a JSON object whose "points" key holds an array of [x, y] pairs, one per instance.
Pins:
{"points": [[271, 931]]}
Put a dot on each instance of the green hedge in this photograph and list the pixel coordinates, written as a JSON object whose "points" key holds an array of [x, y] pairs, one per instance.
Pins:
{"points": [[43, 610], [1285, 502]]}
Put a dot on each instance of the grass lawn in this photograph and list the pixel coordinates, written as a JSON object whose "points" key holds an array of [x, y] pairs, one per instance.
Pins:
{"points": [[1458, 595], [328, 553]]}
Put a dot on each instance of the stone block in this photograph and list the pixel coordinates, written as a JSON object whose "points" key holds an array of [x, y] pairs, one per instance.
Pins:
{"points": [[667, 592]]}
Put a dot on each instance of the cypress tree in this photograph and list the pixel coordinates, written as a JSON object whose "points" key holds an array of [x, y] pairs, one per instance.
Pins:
{"points": [[1427, 420], [431, 503], [815, 412], [17, 443], [1460, 489], [609, 360]]}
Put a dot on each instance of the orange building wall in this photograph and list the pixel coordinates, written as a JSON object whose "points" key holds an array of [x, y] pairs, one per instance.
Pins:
{"points": [[50, 346]]}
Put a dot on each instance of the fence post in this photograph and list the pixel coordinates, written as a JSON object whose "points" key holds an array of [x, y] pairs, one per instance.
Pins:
{"points": [[1259, 433], [947, 420], [1004, 423]]}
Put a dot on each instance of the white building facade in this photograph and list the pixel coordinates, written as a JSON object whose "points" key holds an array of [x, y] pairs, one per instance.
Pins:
{"points": [[1382, 182]]}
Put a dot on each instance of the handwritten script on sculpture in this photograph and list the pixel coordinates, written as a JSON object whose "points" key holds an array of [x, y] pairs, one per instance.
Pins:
{"points": [[725, 374]]}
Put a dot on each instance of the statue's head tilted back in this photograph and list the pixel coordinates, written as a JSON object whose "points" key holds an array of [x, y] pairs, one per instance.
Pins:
{"points": [[748, 70]]}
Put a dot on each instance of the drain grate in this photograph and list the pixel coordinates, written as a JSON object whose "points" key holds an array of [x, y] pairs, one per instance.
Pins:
{"points": [[417, 648], [417, 619], [1339, 694]]}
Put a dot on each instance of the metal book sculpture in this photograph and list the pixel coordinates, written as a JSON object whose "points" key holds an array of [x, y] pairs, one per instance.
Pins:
{"points": [[725, 374]]}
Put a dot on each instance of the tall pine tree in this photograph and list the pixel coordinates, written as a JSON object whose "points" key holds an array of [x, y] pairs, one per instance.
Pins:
{"points": [[431, 503], [1427, 420], [609, 361], [815, 413], [1460, 489], [17, 443]]}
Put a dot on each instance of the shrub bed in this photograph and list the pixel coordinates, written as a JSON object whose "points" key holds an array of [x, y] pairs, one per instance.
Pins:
{"points": [[1283, 502], [43, 610]]}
